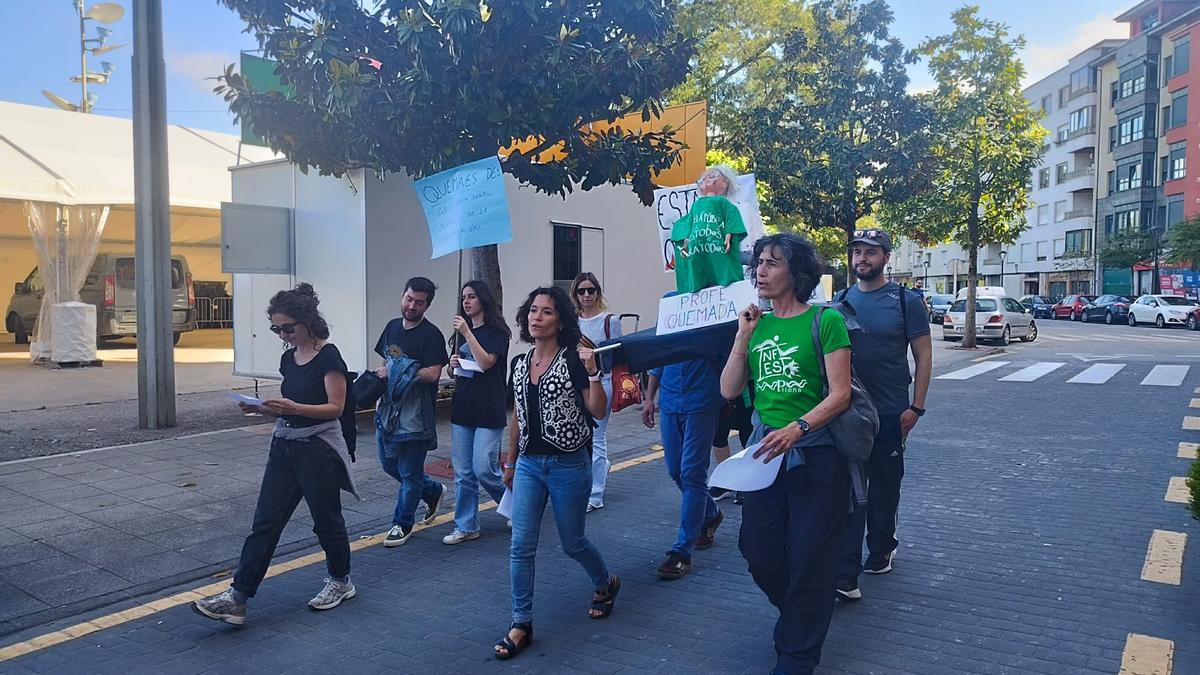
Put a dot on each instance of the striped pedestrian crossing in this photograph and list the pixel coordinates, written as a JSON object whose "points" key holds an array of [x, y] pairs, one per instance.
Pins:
{"points": [[1159, 375]]}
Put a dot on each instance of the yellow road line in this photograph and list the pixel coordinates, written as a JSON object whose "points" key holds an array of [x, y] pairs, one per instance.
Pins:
{"points": [[1177, 490], [1191, 423], [1164, 557], [117, 618], [1145, 655], [1189, 450]]}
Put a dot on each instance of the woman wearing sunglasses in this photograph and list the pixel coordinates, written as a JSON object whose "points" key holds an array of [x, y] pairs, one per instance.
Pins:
{"points": [[597, 324], [309, 459]]}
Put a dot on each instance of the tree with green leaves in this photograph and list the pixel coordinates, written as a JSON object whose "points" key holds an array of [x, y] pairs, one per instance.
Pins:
{"points": [[1183, 242], [986, 142], [1125, 249], [845, 136], [738, 46], [420, 86]]}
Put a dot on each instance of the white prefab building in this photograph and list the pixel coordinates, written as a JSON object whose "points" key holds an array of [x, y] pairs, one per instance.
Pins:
{"points": [[1056, 254], [357, 239]]}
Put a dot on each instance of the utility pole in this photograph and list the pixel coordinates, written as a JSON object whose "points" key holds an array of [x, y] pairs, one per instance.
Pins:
{"points": [[152, 248]]}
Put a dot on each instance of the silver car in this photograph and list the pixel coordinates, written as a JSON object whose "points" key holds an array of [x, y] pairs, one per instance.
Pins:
{"points": [[997, 318]]}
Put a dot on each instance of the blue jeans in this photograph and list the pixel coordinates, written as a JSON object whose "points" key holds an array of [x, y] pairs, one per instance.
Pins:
{"points": [[406, 463], [791, 538], [600, 463], [687, 443], [564, 480], [474, 453]]}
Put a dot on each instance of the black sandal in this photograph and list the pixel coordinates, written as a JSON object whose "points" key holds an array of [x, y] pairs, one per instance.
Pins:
{"points": [[511, 648], [603, 606]]}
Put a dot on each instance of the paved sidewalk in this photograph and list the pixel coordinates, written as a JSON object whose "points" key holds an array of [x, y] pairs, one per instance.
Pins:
{"points": [[82, 530]]}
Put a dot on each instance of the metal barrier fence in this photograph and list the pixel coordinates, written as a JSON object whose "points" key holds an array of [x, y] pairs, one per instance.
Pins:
{"points": [[214, 312]]}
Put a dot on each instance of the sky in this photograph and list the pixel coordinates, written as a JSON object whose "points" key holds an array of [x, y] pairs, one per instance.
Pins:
{"points": [[201, 37]]}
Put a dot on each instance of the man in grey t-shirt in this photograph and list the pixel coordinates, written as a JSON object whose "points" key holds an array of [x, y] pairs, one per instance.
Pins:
{"points": [[893, 321]]}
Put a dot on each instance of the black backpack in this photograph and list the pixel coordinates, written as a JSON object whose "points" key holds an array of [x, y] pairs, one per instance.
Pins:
{"points": [[349, 424]]}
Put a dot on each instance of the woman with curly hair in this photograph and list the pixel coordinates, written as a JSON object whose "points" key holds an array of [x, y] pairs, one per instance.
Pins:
{"points": [[557, 397], [309, 459]]}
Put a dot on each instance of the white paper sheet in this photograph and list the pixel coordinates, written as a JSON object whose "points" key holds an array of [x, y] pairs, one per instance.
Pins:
{"points": [[467, 368], [744, 473], [238, 398], [505, 506]]}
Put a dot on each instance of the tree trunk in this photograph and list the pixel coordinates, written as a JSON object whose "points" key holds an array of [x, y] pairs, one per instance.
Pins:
{"points": [[485, 266], [969, 341]]}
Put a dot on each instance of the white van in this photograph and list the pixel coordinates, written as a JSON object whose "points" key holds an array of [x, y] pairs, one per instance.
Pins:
{"points": [[982, 291]]}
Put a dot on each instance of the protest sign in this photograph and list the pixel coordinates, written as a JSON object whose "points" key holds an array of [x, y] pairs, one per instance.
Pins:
{"points": [[465, 206], [705, 307]]}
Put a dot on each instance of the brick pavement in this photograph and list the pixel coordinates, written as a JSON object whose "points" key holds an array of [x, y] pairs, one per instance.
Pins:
{"points": [[1022, 540], [81, 530]]}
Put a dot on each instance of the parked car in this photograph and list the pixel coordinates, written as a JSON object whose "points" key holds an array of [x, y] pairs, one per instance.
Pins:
{"points": [[938, 306], [1193, 320], [110, 287], [1070, 307], [1041, 305], [996, 318], [1107, 308], [1161, 310]]}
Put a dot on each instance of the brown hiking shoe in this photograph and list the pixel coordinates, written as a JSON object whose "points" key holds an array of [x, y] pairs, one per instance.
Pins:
{"points": [[708, 533], [674, 567]]}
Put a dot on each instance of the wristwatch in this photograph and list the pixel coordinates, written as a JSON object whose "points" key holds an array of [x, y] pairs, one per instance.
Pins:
{"points": [[920, 411], [804, 426]]}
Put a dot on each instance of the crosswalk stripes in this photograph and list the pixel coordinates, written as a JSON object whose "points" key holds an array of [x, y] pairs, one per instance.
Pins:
{"points": [[1097, 374], [1160, 375], [1166, 376], [1031, 373], [971, 371]]}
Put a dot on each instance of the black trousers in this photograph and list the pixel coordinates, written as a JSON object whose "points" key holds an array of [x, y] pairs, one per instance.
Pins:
{"points": [[308, 470], [884, 469], [791, 539]]}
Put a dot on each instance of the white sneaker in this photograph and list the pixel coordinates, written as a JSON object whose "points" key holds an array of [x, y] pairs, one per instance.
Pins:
{"points": [[458, 537], [333, 594], [398, 536]]}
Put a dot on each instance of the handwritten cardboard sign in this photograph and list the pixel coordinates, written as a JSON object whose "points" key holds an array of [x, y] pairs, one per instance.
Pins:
{"points": [[671, 204], [465, 206], [706, 307]]}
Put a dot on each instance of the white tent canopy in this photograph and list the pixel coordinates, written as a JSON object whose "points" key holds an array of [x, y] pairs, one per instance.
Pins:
{"points": [[61, 157]]}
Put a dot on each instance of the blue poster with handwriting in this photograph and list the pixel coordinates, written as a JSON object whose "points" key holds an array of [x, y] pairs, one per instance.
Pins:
{"points": [[465, 206]]}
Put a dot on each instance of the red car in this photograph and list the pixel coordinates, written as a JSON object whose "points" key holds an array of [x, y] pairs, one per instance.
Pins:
{"points": [[1193, 320], [1071, 307]]}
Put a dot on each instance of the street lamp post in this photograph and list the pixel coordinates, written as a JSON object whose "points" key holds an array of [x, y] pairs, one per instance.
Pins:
{"points": [[926, 283], [1003, 257], [103, 12]]}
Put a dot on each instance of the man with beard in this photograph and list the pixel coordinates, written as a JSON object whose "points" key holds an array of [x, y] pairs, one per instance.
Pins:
{"points": [[414, 349], [893, 321]]}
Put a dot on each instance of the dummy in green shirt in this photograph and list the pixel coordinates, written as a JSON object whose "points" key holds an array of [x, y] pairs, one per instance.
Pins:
{"points": [[704, 228]]}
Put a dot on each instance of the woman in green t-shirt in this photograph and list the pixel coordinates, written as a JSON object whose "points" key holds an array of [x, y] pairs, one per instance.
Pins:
{"points": [[792, 531]]}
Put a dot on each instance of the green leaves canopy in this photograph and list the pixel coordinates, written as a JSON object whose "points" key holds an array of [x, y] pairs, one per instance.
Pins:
{"points": [[420, 86]]}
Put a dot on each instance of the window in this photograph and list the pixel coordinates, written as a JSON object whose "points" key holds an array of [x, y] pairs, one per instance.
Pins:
{"points": [[34, 283], [1042, 250], [1043, 214], [1150, 20], [1179, 108], [1060, 172], [1058, 289], [1046, 103], [1126, 220], [1081, 119], [1079, 242], [1168, 65], [1063, 133], [1164, 169], [1174, 210], [1026, 252], [1112, 182], [1177, 161], [1166, 117], [1082, 80], [1132, 80], [1131, 129], [1129, 176], [1181, 58], [568, 254], [1108, 225], [1060, 211], [1044, 178], [1112, 137], [1059, 246], [1114, 94]]}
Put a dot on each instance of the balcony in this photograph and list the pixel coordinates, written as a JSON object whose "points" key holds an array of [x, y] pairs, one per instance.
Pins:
{"points": [[1090, 89], [1079, 213], [1078, 133], [1089, 170]]}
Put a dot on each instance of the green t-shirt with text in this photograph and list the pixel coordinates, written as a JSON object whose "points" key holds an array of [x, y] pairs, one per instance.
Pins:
{"points": [[704, 227], [783, 363]]}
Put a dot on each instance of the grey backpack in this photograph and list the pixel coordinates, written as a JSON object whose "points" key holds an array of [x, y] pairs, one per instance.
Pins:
{"points": [[855, 428]]}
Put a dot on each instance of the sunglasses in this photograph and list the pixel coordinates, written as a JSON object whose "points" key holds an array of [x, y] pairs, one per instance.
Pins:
{"points": [[586, 290], [287, 328], [870, 234]]}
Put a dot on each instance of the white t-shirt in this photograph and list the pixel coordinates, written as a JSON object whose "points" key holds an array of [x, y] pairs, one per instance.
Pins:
{"points": [[593, 328]]}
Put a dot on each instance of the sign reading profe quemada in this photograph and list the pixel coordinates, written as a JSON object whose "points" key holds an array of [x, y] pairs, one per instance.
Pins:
{"points": [[706, 307], [465, 206]]}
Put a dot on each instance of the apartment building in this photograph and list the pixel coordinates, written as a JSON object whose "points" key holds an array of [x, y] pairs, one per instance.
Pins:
{"points": [[1056, 253]]}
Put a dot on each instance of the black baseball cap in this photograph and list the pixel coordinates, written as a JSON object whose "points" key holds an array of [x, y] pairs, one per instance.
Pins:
{"points": [[873, 237]]}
